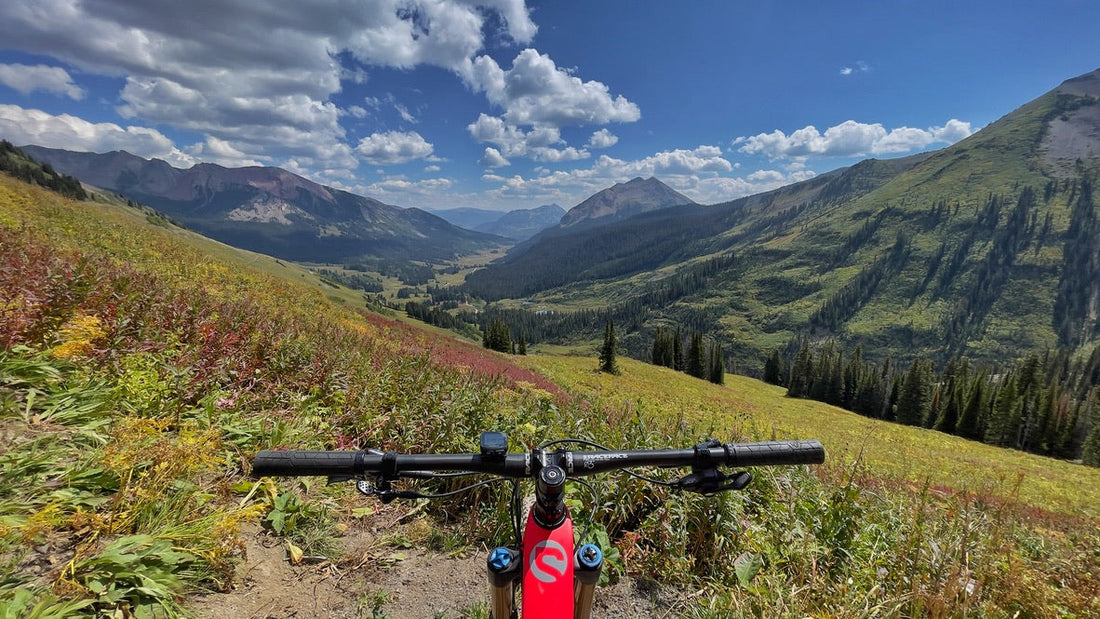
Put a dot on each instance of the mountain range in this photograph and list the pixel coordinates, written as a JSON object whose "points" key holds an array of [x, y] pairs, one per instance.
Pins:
{"points": [[517, 225], [989, 248], [271, 210]]}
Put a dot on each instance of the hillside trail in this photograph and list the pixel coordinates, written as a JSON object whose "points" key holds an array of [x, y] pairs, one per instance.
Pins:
{"points": [[372, 580]]}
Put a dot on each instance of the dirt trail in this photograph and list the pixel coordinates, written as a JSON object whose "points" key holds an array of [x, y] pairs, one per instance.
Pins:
{"points": [[372, 581]]}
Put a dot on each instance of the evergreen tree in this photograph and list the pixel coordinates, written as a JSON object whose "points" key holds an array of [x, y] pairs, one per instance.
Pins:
{"points": [[798, 386], [678, 351], [853, 374], [969, 425], [607, 352], [497, 336], [717, 373], [522, 344], [664, 350], [1090, 451], [773, 369], [913, 397], [1001, 429], [696, 365]]}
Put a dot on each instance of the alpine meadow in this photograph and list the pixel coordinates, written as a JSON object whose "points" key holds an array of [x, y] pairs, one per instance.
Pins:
{"points": [[316, 228]]}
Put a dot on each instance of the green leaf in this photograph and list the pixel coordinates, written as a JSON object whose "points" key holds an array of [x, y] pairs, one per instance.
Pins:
{"points": [[277, 520], [746, 566]]}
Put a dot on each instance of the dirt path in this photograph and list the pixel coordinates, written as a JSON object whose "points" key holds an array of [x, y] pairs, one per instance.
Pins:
{"points": [[374, 582]]}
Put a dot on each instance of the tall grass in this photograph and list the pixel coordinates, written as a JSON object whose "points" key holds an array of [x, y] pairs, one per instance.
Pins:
{"points": [[138, 375]]}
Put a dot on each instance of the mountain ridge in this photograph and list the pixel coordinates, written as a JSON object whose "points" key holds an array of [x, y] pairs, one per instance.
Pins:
{"points": [[623, 200], [272, 210], [979, 249]]}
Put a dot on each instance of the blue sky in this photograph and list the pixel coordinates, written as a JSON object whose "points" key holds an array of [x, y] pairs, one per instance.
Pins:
{"points": [[503, 104]]}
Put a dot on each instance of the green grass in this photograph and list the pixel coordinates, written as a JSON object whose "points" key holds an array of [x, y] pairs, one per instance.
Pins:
{"points": [[143, 368], [892, 453]]}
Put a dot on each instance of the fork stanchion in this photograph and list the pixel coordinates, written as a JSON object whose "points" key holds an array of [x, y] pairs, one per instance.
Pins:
{"points": [[504, 568], [587, 565]]}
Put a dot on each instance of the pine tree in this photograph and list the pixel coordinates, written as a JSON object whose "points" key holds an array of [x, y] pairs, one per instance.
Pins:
{"points": [[801, 374], [969, 425], [678, 351], [773, 369], [1001, 429], [696, 365], [717, 373], [1090, 451], [497, 336], [913, 397], [608, 363]]}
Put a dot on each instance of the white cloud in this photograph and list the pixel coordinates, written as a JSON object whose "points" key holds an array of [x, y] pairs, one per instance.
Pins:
{"points": [[27, 126], [699, 173], [535, 91], [850, 139], [222, 153], [357, 111], [602, 139], [405, 114], [431, 168], [27, 79], [952, 132], [493, 159], [393, 147], [258, 76], [860, 67]]}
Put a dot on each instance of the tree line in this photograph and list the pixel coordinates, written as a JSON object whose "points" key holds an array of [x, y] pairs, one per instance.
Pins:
{"points": [[699, 360], [1046, 404], [18, 164]]}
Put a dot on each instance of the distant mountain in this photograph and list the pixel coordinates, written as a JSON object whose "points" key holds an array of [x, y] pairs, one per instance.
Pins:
{"points": [[271, 210], [624, 200], [518, 225], [989, 249], [466, 216], [523, 224], [573, 256]]}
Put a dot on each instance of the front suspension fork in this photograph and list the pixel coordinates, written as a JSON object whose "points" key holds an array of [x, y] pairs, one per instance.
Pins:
{"points": [[505, 570]]}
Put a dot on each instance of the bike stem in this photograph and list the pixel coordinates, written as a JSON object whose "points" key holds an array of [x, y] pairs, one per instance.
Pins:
{"points": [[558, 583]]}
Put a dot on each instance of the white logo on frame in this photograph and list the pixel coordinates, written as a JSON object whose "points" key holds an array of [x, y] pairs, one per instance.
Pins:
{"points": [[548, 560]]}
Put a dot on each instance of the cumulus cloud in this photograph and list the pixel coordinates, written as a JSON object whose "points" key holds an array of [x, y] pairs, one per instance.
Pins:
{"points": [[850, 139], [27, 126], [393, 147], [214, 68], [538, 94], [536, 91], [27, 79], [492, 159], [700, 173], [541, 143], [221, 152], [602, 139]]}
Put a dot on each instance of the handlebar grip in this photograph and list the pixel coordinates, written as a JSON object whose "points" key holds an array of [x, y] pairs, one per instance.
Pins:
{"points": [[775, 453], [307, 463]]}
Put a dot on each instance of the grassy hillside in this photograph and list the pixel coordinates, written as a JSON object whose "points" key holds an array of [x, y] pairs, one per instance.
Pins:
{"points": [[994, 263], [141, 367]]}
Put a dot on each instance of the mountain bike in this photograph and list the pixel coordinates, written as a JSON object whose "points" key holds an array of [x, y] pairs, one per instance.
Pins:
{"points": [[557, 580]]}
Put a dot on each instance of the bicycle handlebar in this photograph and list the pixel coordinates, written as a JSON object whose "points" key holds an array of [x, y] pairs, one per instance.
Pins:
{"points": [[528, 464]]}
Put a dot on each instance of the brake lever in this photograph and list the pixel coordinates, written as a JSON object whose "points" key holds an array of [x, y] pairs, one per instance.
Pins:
{"points": [[384, 491], [711, 481]]}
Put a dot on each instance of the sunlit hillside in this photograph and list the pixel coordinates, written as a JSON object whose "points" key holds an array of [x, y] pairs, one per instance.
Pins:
{"points": [[141, 367]]}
